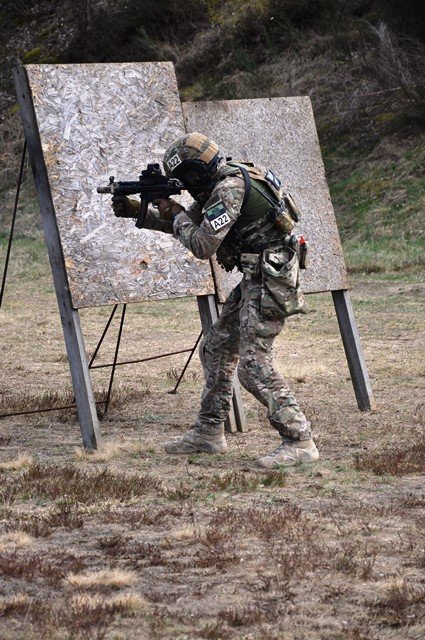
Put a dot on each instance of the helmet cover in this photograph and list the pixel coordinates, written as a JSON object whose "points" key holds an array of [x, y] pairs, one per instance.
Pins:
{"points": [[193, 158]]}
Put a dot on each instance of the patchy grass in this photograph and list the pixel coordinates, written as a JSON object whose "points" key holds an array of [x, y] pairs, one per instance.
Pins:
{"points": [[378, 200], [14, 540], [109, 450], [216, 547], [35, 566], [21, 462], [51, 481], [136, 517], [16, 604], [113, 579], [65, 513], [82, 615], [397, 460], [400, 603]]}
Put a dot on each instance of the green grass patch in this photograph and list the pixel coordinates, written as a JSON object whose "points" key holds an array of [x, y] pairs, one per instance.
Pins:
{"points": [[379, 201], [33, 55], [385, 255], [28, 258], [378, 193]]}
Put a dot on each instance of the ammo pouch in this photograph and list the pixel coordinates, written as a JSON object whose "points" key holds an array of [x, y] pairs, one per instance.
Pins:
{"points": [[281, 295]]}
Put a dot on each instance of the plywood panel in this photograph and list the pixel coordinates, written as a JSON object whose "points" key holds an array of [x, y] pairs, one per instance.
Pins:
{"points": [[97, 120], [280, 133]]}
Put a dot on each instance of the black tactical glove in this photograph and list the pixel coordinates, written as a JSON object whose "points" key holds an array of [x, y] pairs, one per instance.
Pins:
{"points": [[124, 207]]}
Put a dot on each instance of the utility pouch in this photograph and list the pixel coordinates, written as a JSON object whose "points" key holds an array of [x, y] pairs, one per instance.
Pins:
{"points": [[250, 264], [281, 296], [281, 218], [294, 210]]}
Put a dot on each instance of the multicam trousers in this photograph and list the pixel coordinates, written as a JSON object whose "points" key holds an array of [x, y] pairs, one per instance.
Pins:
{"points": [[242, 334]]}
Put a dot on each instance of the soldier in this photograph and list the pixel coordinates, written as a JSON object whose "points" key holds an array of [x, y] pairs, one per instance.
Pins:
{"points": [[242, 213]]}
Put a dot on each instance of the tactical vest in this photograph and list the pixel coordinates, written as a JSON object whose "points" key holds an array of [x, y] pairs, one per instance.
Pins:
{"points": [[257, 226]]}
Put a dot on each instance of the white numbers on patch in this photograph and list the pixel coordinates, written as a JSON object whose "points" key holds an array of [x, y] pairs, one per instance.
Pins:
{"points": [[174, 162], [220, 222]]}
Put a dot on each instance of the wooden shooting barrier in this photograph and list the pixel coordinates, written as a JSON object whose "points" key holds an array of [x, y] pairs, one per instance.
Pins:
{"points": [[83, 123], [280, 133]]}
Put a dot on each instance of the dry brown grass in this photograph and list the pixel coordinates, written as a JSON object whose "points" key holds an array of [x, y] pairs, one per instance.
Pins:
{"points": [[81, 616], [397, 460], [263, 523], [28, 401], [15, 540], [185, 532], [144, 553], [107, 451], [14, 604], [127, 602], [401, 603], [243, 616], [215, 631], [230, 482], [65, 513], [136, 517], [237, 481], [49, 481], [112, 578], [217, 547], [113, 545], [21, 462], [52, 568]]}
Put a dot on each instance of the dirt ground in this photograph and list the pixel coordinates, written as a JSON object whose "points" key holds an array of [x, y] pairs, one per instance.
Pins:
{"points": [[130, 543]]}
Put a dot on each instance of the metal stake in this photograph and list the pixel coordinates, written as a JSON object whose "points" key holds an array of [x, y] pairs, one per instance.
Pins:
{"points": [[12, 226], [108, 397], [187, 363], [102, 336]]}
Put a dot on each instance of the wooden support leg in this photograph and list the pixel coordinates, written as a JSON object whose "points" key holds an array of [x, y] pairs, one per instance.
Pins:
{"points": [[70, 319], [81, 381], [236, 420], [353, 350]]}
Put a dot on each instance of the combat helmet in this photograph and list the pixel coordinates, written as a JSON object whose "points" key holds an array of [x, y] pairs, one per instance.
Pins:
{"points": [[193, 159]]}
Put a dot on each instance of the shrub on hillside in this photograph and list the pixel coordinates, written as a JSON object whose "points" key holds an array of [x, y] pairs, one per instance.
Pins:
{"points": [[136, 30], [407, 17], [398, 66]]}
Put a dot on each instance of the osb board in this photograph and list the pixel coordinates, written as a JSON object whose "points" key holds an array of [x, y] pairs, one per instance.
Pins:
{"points": [[280, 133], [97, 120]]}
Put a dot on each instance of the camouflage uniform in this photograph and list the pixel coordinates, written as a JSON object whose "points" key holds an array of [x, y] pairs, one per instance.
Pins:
{"points": [[247, 325]]}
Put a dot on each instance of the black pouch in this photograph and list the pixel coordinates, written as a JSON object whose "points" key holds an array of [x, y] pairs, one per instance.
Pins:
{"points": [[301, 247], [281, 295]]}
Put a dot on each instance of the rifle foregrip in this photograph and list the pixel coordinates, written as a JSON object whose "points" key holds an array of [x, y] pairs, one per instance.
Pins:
{"points": [[104, 189], [141, 218]]}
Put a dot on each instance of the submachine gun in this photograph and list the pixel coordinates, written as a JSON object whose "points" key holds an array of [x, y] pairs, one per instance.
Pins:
{"points": [[151, 185]]}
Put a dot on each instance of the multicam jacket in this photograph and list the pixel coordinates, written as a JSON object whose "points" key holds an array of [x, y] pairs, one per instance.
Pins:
{"points": [[229, 216], [203, 229]]}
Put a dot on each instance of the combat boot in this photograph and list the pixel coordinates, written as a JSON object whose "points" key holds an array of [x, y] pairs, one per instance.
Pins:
{"points": [[195, 441], [289, 453]]}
